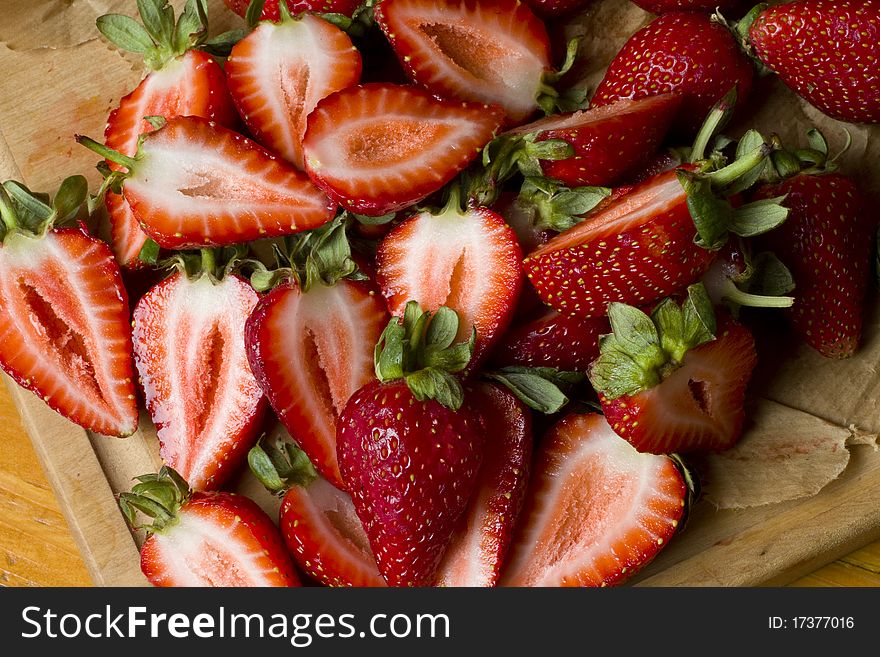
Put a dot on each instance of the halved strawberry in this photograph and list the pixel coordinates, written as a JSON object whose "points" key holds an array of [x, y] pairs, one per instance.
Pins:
{"points": [[675, 381], [597, 510], [194, 183], [609, 142], [488, 51], [480, 545], [467, 260], [64, 329], [270, 8], [189, 349], [310, 352], [555, 8], [666, 6], [318, 521], [377, 148], [182, 81], [205, 539], [279, 72]]}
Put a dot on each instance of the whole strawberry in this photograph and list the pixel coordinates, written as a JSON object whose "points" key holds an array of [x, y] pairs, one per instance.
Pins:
{"points": [[408, 450], [827, 51], [682, 52]]}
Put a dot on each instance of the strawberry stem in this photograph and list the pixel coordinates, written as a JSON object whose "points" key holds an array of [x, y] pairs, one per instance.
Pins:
{"points": [[739, 167], [107, 153], [715, 122], [732, 294]]}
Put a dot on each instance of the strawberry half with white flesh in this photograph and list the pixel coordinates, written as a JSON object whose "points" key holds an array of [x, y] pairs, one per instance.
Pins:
{"points": [[64, 327], [189, 350], [647, 244], [182, 81], [378, 148], [468, 260], [480, 545], [487, 51], [674, 381], [596, 511], [310, 344], [318, 521], [193, 184], [279, 72], [409, 448], [213, 539]]}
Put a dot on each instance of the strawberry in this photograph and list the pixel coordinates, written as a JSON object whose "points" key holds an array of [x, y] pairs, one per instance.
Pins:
{"points": [[641, 246], [667, 6], [675, 381], [555, 8], [409, 449], [377, 148], [552, 340], [182, 81], [682, 52], [596, 511], [480, 544], [194, 183], [486, 51], [608, 142], [826, 51], [64, 331], [189, 348], [468, 260], [827, 244], [270, 11], [279, 72], [310, 344], [318, 521], [205, 539]]}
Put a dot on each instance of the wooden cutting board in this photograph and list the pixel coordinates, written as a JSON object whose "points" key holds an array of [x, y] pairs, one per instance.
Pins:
{"points": [[58, 79]]}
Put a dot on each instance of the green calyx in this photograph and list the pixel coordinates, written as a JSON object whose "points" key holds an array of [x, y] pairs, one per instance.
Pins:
{"points": [[215, 263], [156, 496], [358, 24], [762, 281], [549, 99], [159, 38], [641, 351], [318, 256], [555, 206], [420, 348], [544, 389], [280, 465], [34, 213], [813, 160]]}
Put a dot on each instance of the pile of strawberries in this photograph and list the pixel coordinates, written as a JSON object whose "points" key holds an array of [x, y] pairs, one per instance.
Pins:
{"points": [[372, 237]]}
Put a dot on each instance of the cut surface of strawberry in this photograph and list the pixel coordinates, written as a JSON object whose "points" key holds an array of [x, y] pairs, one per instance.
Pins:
{"points": [[190, 352], [377, 148], [310, 352], [596, 511], [467, 260], [64, 327], [279, 72], [488, 51]]}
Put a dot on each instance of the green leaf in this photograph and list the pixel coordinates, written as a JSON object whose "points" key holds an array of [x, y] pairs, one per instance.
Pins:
{"points": [[374, 221], [699, 317], [748, 143], [189, 28], [253, 13], [758, 217], [264, 470], [69, 199], [388, 355], [817, 141], [533, 390], [153, 16], [125, 33], [432, 383], [771, 277], [222, 44], [550, 149], [32, 211], [711, 215], [442, 329], [785, 163], [615, 373], [634, 331]]}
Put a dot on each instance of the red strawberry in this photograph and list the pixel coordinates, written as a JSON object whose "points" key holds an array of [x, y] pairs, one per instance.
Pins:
{"points": [[310, 352], [486, 51], [674, 382], [377, 148], [270, 8], [466, 260], [827, 51], [554, 8], [279, 72], [189, 349], [195, 183], [480, 545], [64, 329], [597, 510], [318, 521], [552, 340], [409, 449], [205, 539], [827, 244], [608, 142], [181, 82], [683, 52], [667, 6]]}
